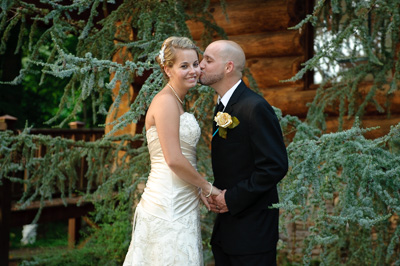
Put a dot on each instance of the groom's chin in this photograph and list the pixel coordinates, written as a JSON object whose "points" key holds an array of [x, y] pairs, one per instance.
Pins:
{"points": [[200, 81]]}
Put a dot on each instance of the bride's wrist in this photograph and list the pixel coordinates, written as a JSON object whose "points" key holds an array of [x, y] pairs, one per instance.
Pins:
{"points": [[208, 190]]}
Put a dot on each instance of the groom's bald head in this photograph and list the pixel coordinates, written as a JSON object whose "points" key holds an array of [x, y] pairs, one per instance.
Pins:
{"points": [[222, 65], [231, 51]]}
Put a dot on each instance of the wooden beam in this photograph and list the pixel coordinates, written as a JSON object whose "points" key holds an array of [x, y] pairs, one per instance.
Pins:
{"points": [[250, 17], [268, 72], [74, 225], [382, 122], [293, 100], [268, 44], [19, 218], [52, 211], [7, 122]]}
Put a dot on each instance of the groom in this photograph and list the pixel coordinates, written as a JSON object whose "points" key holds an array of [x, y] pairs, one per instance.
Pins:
{"points": [[248, 163]]}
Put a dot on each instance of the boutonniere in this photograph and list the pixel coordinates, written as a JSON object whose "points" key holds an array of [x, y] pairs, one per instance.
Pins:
{"points": [[225, 121]]}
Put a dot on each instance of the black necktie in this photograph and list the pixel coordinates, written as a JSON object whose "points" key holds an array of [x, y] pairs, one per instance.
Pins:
{"points": [[220, 107]]}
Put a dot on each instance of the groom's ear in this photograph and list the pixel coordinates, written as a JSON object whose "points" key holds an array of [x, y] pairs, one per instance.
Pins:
{"points": [[229, 67]]}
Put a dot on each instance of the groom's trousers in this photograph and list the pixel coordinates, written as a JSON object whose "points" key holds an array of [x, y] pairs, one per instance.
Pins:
{"points": [[259, 259]]}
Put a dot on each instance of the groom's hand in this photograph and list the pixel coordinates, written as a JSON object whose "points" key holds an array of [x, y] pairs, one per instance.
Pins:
{"points": [[217, 203]]}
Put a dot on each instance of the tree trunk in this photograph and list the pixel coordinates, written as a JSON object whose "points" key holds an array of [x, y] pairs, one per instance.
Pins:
{"points": [[125, 33]]}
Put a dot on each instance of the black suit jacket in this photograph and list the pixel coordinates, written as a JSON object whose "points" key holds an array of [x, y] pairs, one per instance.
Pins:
{"points": [[249, 163]]}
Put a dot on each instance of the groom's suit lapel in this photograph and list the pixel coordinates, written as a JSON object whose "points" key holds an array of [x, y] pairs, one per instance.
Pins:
{"points": [[232, 101], [235, 98]]}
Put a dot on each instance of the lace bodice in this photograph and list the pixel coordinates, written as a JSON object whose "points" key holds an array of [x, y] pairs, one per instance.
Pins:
{"points": [[189, 130]]}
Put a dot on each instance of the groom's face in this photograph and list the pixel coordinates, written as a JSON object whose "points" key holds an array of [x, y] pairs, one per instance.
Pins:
{"points": [[212, 66]]}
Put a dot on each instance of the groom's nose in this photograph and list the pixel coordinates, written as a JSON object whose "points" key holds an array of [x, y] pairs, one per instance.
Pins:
{"points": [[201, 64]]}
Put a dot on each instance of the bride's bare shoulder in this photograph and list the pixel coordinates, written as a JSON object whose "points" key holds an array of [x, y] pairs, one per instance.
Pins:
{"points": [[162, 104], [162, 100]]}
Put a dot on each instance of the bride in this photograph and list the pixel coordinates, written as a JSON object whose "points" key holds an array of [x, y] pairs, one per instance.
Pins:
{"points": [[166, 224]]}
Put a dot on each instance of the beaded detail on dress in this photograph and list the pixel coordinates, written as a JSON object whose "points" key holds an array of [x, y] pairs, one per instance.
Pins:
{"points": [[189, 130], [157, 242]]}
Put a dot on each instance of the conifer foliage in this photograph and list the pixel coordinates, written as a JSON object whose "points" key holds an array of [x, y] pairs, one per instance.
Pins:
{"points": [[344, 190], [102, 29], [343, 187], [357, 43]]}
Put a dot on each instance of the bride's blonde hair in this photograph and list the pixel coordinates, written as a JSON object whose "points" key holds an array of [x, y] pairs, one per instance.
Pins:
{"points": [[167, 54]]}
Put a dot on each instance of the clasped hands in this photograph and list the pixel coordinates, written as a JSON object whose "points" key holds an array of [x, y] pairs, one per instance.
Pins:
{"points": [[216, 201]]}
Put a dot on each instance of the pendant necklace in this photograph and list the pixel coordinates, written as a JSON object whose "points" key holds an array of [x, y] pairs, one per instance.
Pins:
{"points": [[179, 99]]}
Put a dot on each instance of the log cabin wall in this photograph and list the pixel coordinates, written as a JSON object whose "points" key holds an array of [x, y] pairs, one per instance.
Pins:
{"points": [[275, 53]]}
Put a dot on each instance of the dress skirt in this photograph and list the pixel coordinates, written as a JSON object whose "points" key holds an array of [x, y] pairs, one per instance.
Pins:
{"points": [[156, 241]]}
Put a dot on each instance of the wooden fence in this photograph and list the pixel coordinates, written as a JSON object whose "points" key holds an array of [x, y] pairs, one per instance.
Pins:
{"points": [[10, 192]]}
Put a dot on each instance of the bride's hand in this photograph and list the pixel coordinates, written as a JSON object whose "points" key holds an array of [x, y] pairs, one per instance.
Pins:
{"points": [[211, 191], [205, 201]]}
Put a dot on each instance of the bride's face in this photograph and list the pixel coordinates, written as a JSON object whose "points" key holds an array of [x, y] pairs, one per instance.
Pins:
{"points": [[186, 70]]}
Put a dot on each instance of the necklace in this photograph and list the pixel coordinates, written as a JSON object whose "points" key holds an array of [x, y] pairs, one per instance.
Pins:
{"points": [[179, 99]]}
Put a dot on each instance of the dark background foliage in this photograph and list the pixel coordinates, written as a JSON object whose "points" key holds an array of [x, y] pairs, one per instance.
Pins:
{"points": [[343, 187]]}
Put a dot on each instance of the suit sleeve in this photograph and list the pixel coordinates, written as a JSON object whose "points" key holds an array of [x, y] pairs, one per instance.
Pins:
{"points": [[270, 160]]}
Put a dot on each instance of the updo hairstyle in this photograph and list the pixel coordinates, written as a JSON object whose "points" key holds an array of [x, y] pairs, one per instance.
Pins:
{"points": [[169, 49]]}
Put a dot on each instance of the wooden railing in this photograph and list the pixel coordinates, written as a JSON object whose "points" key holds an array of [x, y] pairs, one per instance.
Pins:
{"points": [[10, 213]]}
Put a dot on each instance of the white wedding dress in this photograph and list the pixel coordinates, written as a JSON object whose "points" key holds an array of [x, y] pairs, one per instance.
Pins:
{"points": [[166, 224]]}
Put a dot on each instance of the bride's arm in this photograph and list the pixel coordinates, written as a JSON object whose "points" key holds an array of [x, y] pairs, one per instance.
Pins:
{"points": [[167, 117]]}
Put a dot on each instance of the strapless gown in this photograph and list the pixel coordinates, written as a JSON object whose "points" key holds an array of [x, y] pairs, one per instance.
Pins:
{"points": [[166, 224]]}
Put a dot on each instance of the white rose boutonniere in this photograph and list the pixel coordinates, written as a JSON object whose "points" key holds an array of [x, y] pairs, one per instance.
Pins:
{"points": [[225, 121]]}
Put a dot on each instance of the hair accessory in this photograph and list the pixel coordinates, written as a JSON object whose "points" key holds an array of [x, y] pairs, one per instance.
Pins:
{"points": [[161, 54]]}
